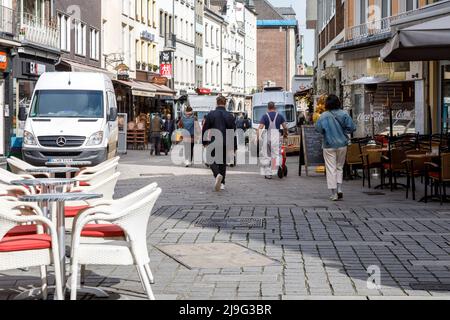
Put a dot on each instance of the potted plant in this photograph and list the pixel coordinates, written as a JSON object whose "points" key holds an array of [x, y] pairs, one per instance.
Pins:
{"points": [[155, 67], [138, 64], [144, 65]]}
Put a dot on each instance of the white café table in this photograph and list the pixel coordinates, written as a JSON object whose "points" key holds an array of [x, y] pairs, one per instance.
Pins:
{"points": [[52, 203]]}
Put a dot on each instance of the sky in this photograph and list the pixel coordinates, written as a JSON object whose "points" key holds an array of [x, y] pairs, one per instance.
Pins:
{"points": [[300, 7]]}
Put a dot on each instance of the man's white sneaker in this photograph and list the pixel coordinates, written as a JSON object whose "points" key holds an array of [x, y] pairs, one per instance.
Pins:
{"points": [[187, 163], [222, 187], [218, 184], [334, 197]]}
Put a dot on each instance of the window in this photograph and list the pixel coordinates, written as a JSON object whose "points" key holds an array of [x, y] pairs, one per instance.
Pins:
{"points": [[64, 28], [385, 8], [53, 104], [80, 38], [95, 44], [161, 24]]}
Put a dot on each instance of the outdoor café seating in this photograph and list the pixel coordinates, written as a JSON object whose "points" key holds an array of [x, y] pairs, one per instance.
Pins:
{"points": [[19, 166], [438, 176], [104, 231]]}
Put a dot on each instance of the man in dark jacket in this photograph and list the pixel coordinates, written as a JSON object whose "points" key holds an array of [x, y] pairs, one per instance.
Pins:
{"points": [[220, 120]]}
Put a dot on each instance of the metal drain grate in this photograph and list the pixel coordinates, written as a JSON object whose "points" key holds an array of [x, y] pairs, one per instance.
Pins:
{"points": [[375, 193], [230, 223], [430, 286]]}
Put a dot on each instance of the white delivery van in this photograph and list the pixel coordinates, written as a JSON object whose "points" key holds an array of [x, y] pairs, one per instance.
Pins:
{"points": [[284, 102], [72, 116], [202, 105]]}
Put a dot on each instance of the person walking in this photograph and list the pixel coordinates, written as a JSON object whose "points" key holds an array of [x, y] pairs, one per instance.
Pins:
{"points": [[188, 123], [156, 125], [220, 120], [335, 125], [274, 125], [169, 128]]}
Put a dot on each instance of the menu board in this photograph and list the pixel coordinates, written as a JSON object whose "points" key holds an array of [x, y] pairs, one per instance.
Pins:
{"points": [[311, 153]]}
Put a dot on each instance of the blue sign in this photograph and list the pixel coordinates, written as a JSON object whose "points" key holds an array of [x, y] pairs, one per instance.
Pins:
{"points": [[147, 36]]}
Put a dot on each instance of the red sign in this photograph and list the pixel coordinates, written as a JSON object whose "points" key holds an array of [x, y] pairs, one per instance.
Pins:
{"points": [[203, 91], [166, 70], [3, 61]]}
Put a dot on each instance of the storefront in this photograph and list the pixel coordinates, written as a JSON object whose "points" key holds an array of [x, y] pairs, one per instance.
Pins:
{"points": [[5, 97], [141, 99], [28, 66], [399, 89]]}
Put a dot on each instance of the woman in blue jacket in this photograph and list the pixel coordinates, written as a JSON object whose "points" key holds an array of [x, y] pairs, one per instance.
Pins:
{"points": [[335, 125]]}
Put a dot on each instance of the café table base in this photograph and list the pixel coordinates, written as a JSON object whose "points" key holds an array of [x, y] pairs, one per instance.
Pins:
{"points": [[37, 292]]}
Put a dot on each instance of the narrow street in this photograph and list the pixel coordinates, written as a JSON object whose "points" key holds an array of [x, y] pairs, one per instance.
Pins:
{"points": [[304, 245]]}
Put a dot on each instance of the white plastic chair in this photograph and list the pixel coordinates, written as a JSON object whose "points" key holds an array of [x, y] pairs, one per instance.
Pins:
{"points": [[7, 177], [31, 250], [133, 217], [9, 190], [105, 188], [92, 170], [20, 167], [97, 177]]}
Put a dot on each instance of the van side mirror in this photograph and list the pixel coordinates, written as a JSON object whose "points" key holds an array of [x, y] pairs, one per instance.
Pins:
{"points": [[22, 114], [112, 114]]}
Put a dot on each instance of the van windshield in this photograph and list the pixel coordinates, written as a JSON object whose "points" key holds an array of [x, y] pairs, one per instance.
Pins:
{"points": [[67, 104], [288, 112]]}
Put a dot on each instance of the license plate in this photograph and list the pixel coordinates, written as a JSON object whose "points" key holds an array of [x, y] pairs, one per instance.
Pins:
{"points": [[60, 160]]}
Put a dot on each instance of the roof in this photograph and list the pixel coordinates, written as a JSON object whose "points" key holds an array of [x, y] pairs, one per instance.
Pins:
{"points": [[286, 11], [266, 11], [277, 23], [77, 80]]}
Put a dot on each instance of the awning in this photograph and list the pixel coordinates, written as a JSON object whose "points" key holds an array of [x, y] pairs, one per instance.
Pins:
{"points": [[426, 41], [146, 89], [78, 67]]}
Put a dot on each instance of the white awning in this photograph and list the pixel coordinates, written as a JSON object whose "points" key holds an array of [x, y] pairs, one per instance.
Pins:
{"points": [[78, 67]]}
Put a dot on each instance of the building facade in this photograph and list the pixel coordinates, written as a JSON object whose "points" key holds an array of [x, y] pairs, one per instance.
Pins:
{"points": [[278, 41], [79, 26], [29, 46], [349, 37], [368, 26]]}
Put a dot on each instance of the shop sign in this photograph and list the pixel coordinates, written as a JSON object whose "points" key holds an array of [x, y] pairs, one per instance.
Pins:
{"points": [[143, 93], [166, 70], [203, 91], [122, 72], [34, 68], [162, 81], [166, 57], [3, 60], [145, 35]]}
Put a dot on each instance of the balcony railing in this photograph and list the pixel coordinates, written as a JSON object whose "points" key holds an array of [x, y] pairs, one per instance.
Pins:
{"points": [[7, 20], [373, 28], [39, 31]]}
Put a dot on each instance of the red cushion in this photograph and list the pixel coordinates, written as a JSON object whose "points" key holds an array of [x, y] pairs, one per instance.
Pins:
{"points": [[84, 184], [24, 243], [434, 175], [72, 212], [102, 231], [22, 231]]}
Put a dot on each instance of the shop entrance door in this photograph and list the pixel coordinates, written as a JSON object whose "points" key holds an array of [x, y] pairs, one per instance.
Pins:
{"points": [[2, 117], [446, 99]]}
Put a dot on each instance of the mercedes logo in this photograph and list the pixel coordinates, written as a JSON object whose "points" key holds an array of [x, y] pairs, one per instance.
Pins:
{"points": [[61, 141]]}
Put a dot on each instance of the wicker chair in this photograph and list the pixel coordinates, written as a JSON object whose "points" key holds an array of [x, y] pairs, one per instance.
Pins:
{"points": [[371, 160], [439, 176], [354, 159]]}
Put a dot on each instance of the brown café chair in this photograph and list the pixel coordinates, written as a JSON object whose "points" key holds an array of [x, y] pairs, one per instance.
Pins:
{"points": [[440, 176]]}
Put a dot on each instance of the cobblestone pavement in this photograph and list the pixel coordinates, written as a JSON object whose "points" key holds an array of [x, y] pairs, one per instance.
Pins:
{"points": [[325, 249]]}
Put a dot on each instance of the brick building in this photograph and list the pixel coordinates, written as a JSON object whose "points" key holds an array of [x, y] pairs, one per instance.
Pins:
{"points": [[278, 42]]}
